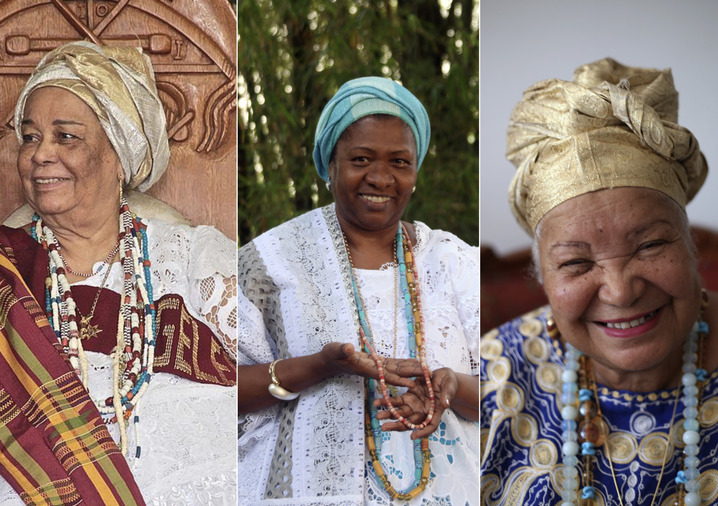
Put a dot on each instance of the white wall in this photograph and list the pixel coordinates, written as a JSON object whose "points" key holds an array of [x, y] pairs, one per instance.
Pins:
{"points": [[525, 41]]}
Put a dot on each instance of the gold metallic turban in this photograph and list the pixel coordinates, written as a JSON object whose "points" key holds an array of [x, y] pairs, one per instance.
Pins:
{"points": [[611, 126], [118, 84]]}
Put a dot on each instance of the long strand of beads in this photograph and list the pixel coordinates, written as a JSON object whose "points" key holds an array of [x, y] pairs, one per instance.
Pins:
{"points": [[692, 377], [581, 402], [134, 354], [422, 455], [569, 415]]}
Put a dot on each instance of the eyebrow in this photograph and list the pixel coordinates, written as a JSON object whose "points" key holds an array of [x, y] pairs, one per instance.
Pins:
{"points": [[56, 122], [395, 152], [632, 235], [569, 244], [638, 232]]}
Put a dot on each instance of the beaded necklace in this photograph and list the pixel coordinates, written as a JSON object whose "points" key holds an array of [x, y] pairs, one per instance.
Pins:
{"points": [[581, 418], [134, 354], [409, 284]]}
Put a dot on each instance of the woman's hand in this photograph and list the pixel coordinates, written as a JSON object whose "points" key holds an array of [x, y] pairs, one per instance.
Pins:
{"points": [[415, 404], [342, 358]]}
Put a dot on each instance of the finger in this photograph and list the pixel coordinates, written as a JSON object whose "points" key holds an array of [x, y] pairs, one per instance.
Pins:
{"points": [[430, 427], [348, 349], [394, 427], [399, 381]]}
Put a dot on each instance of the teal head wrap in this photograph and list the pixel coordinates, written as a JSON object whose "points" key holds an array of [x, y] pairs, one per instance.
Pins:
{"points": [[362, 97]]}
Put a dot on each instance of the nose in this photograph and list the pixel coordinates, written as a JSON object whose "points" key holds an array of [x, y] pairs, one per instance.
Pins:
{"points": [[620, 286], [379, 175], [45, 152]]}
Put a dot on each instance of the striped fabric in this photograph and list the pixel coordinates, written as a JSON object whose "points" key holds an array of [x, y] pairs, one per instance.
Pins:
{"points": [[54, 447]]}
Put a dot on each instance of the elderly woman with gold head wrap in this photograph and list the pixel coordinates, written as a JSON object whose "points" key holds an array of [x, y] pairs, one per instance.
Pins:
{"points": [[97, 301], [608, 395], [347, 309]]}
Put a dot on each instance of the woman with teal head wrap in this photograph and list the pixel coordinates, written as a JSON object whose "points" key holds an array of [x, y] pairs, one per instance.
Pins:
{"points": [[346, 303], [363, 97]]}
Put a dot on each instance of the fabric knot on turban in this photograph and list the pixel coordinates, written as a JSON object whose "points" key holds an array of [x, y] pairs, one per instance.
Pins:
{"points": [[118, 84], [612, 126], [362, 97]]}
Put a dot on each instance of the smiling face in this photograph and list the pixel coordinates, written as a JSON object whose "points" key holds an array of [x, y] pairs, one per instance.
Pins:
{"points": [[373, 172], [622, 280], [66, 162]]}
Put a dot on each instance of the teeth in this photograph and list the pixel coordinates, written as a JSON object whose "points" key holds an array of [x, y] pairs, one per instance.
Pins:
{"points": [[376, 200], [49, 180], [632, 323]]}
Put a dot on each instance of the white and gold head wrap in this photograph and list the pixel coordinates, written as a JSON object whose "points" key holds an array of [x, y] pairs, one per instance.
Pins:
{"points": [[118, 84], [611, 126]]}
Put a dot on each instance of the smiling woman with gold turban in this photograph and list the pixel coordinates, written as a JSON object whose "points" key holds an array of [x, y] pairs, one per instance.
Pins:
{"points": [[608, 395], [334, 300], [96, 301]]}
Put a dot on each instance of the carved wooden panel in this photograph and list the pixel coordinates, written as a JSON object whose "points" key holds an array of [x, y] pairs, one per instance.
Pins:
{"points": [[192, 45]]}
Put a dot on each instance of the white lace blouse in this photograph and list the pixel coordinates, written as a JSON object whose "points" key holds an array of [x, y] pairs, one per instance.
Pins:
{"points": [[186, 429], [321, 441]]}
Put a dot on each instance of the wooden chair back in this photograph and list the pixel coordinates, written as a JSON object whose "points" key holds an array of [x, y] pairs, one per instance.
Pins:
{"points": [[193, 48]]}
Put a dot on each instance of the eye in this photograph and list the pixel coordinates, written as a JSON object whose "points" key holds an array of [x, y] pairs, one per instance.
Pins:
{"points": [[402, 162], [64, 136], [650, 248], [360, 159], [651, 245], [26, 138], [576, 266]]}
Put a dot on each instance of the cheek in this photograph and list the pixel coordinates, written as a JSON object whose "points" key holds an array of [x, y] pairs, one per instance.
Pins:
{"points": [[24, 157], [569, 299]]}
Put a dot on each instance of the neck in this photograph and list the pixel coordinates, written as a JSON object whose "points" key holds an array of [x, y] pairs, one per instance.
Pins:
{"points": [[665, 377], [370, 249], [85, 241]]}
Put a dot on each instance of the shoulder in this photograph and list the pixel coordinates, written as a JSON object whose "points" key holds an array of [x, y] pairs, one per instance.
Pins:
{"points": [[298, 224], [430, 240], [445, 250], [204, 248], [520, 351]]}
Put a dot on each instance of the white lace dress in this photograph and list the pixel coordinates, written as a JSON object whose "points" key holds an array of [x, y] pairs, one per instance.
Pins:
{"points": [[312, 451], [187, 429]]}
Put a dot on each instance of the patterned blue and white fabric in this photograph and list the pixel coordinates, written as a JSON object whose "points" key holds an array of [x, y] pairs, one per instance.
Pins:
{"points": [[521, 428]]}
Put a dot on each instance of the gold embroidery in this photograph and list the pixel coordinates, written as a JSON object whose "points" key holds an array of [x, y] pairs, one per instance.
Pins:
{"points": [[531, 327], [623, 447], [524, 429], [185, 341], [653, 448], [543, 454], [510, 398], [536, 350]]}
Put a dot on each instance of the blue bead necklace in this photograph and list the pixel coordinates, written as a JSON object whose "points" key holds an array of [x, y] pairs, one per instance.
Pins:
{"points": [[581, 422], [409, 294]]}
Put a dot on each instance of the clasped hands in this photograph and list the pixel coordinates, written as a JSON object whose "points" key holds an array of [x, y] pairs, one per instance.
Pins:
{"points": [[414, 404]]}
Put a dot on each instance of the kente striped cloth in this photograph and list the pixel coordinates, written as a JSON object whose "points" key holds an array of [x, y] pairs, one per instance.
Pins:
{"points": [[54, 447]]}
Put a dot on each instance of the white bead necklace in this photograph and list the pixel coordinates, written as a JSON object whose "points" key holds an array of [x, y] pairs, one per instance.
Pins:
{"points": [[581, 440]]}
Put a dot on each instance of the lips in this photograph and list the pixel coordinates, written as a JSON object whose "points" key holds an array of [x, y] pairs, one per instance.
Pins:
{"points": [[633, 323], [633, 327], [375, 199], [48, 180]]}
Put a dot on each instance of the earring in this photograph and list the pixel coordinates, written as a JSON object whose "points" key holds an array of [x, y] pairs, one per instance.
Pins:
{"points": [[328, 184], [413, 189]]}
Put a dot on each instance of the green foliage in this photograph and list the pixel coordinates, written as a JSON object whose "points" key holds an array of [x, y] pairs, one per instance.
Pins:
{"points": [[294, 55]]}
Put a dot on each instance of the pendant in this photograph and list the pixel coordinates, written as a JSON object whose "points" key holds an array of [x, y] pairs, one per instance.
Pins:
{"points": [[88, 331]]}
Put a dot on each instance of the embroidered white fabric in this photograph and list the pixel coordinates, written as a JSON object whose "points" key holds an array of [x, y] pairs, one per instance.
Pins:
{"points": [[186, 428], [328, 451]]}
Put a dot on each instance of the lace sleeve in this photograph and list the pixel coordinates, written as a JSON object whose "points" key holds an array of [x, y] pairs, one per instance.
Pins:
{"points": [[199, 265], [466, 284], [454, 264], [214, 284]]}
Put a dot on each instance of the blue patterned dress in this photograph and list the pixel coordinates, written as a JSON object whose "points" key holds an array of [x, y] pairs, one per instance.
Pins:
{"points": [[521, 428]]}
